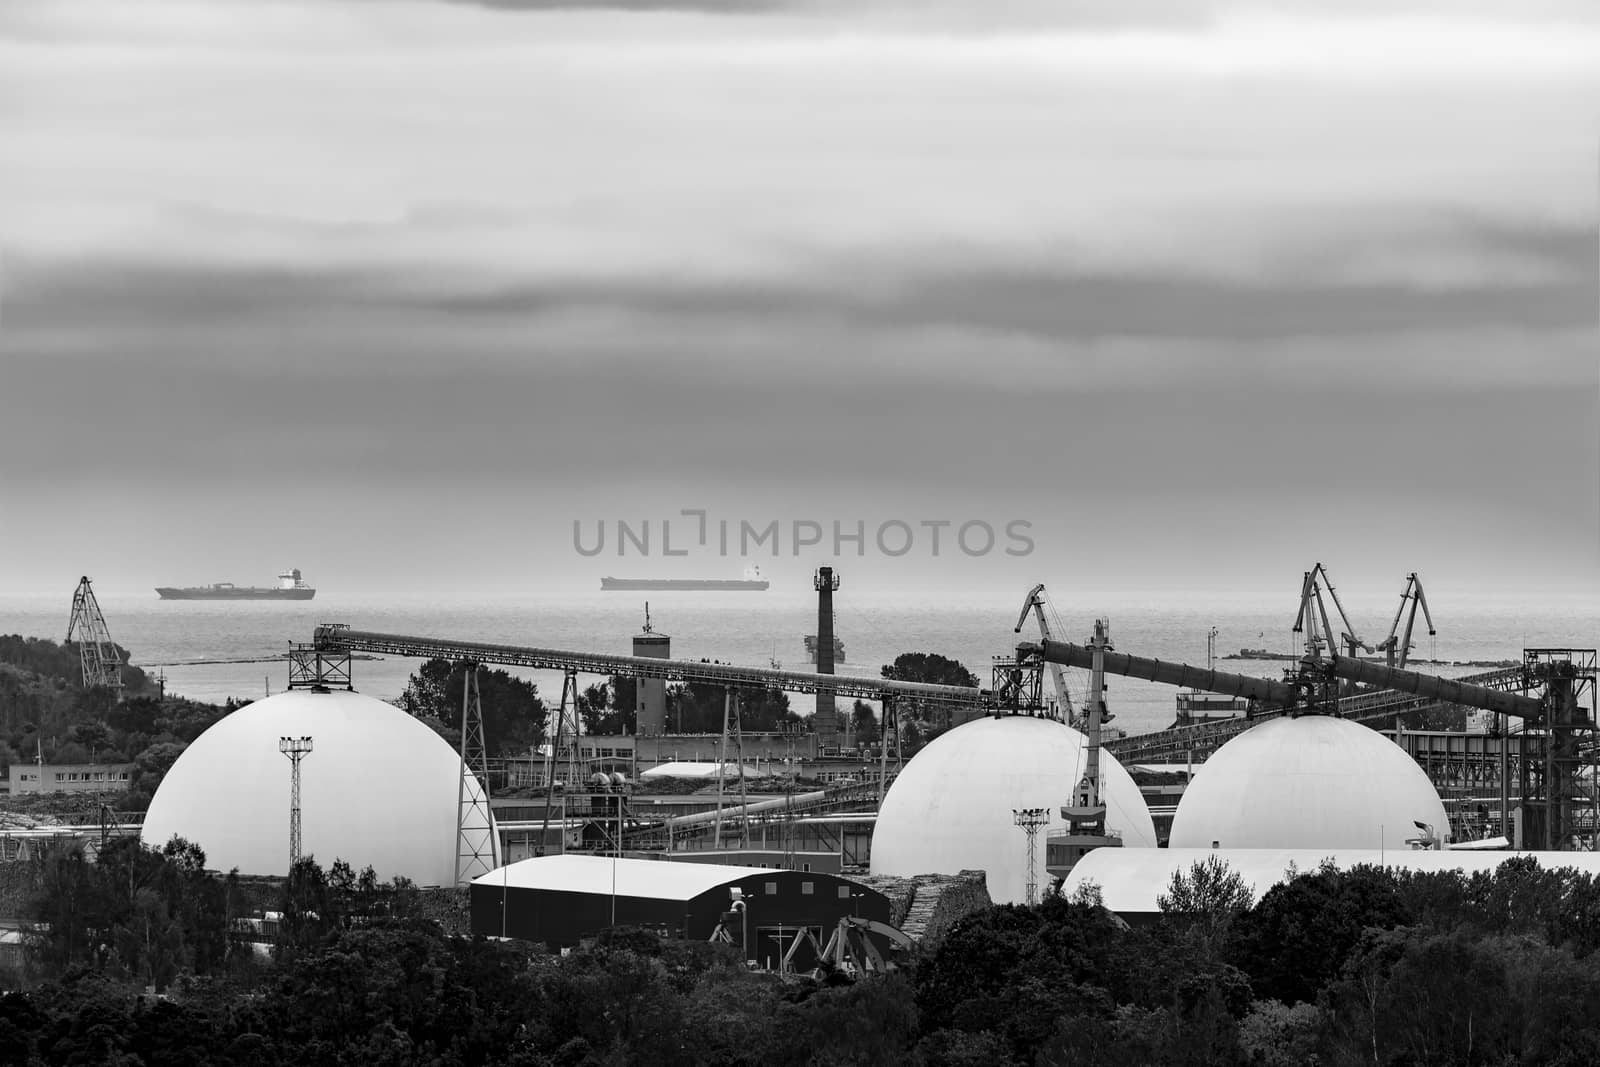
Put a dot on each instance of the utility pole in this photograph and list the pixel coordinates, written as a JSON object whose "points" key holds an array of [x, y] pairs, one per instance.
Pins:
{"points": [[296, 748]]}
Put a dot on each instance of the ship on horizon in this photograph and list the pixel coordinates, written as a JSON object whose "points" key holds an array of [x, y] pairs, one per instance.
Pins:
{"points": [[751, 582], [290, 587]]}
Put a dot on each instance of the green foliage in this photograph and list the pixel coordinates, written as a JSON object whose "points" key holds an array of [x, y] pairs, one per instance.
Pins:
{"points": [[1409, 970], [929, 667], [697, 708], [135, 913], [514, 717], [1206, 900]]}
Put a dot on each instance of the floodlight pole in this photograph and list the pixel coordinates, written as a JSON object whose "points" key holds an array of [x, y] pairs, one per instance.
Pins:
{"points": [[1031, 820], [296, 748]]}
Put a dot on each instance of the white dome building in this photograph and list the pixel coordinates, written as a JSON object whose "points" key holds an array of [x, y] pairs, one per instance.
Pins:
{"points": [[1310, 782], [951, 808], [378, 788]]}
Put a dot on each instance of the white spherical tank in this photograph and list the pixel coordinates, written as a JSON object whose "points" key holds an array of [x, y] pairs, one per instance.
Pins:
{"points": [[951, 808], [1310, 782], [378, 788]]}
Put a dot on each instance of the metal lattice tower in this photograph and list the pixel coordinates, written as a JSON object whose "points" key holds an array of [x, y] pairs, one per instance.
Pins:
{"points": [[562, 744], [296, 748], [102, 667], [1032, 820], [476, 851]]}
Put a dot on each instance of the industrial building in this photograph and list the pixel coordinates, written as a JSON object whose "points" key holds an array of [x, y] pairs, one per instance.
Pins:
{"points": [[378, 788], [69, 777], [781, 919], [951, 808], [1316, 781]]}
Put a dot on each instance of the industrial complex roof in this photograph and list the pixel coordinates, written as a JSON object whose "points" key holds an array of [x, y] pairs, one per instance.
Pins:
{"points": [[1130, 879], [378, 787], [951, 809], [608, 876], [1313, 782]]}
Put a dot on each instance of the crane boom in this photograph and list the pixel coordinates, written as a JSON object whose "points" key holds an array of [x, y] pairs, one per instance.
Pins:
{"points": [[1058, 678], [1311, 593], [1398, 646]]}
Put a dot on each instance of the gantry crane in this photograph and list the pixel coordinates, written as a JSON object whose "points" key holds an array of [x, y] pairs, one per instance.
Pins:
{"points": [[1058, 678], [1396, 648], [102, 664], [1311, 594]]}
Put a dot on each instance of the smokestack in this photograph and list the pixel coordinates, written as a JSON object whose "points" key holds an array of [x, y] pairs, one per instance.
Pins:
{"points": [[826, 721]]}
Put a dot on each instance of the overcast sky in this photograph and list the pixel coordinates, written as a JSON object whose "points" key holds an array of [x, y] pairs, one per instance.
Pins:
{"points": [[396, 292]]}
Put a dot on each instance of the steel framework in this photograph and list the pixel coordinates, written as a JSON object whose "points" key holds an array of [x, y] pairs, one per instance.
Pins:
{"points": [[477, 844], [296, 748], [102, 666], [334, 638], [1032, 820]]}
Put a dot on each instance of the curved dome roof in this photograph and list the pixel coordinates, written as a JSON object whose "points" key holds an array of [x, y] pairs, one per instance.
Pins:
{"points": [[1308, 782], [950, 809], [378, 788]]}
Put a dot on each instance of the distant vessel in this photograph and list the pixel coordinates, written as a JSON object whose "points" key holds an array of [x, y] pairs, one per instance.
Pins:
{"points": [[751, 582], [811, 648], [290, 587]]}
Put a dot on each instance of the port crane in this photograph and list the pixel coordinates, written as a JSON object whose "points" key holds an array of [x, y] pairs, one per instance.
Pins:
{"points": [[1396, 648], [1561, 673], [1307, 620], [1058, 678], [1085, 812]]}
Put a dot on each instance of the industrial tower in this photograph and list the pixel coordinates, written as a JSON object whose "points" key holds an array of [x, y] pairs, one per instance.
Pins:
{"points": [[102, 666], [826, 721], [1031, 820], [296, 748], [476, 840]]}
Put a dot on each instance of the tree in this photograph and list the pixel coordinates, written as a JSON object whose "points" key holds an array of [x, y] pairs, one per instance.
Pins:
{"points": [[865, 723], [1208, 898], [514, 716]]}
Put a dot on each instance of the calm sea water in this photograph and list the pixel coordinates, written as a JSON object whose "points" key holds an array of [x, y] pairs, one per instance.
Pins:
{"points": [[753, 629]]}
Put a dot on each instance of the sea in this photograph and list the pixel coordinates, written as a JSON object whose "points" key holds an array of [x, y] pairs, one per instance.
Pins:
{"points": [[214, 650]]}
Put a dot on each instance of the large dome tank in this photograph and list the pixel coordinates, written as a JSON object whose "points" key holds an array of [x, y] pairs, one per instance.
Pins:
{"points": [[1315, 781], [951, 808], [378, 788]]}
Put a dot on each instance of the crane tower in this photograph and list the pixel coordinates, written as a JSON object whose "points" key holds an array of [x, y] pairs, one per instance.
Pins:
{"points": [[102, 666]]}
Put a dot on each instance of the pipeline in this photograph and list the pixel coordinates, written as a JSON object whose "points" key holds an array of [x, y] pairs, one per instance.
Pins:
{"points": [[1181, 674], [1435, 688], [677, 822]]}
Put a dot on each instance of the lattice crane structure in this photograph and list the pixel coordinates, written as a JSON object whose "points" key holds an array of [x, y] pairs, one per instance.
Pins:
{"points": [[102, 665]]}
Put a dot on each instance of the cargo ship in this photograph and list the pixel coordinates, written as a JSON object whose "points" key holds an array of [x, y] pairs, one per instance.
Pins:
{"points": [[751, 582], [290, 587]]}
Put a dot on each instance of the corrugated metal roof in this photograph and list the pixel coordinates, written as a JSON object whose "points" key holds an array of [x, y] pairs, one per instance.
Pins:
{"points": [[1130, 879], [606, 876]]}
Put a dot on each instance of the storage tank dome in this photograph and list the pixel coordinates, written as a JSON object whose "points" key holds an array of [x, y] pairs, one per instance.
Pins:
{"points": [[1310, 782], [951, 808], [378, 788]]}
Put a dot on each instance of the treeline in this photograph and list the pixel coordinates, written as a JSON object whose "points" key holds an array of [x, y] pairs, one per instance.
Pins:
{"points": [[1334, 967], [44, 710]]}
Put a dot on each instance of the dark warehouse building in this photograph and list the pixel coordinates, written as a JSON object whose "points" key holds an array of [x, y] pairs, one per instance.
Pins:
{"points": [[562, 900]]}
